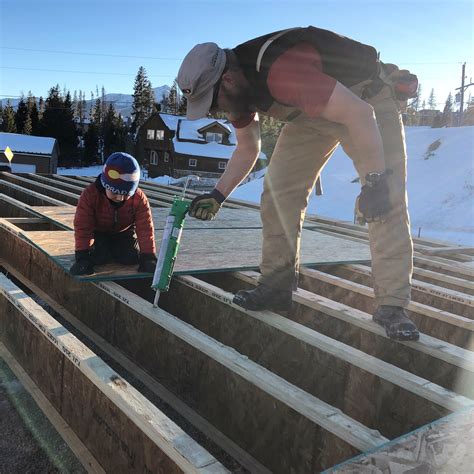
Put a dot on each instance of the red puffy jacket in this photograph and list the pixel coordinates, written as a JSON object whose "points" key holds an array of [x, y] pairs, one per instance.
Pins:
{"points": [[94, 212]]}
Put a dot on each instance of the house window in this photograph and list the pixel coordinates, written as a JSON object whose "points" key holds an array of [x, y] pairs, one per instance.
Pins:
{"points": [[153, 157], [214, 137], [166, 157], [222, 165], [150, 134], [192, 163], [160, 135]]}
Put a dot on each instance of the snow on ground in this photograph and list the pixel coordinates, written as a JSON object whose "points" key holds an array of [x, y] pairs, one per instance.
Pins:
{"points": [[96, 170], [440, 188]]}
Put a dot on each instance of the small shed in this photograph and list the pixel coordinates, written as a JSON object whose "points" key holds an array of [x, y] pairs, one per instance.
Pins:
{"points": [[31, 154]]}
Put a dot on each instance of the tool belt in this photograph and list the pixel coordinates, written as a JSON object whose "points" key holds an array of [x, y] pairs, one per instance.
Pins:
{"points": [[402, 81]]}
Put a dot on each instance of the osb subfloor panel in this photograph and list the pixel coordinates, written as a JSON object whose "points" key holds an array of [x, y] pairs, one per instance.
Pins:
{"points": [[211, 250], [446, 445], [226, 219]]}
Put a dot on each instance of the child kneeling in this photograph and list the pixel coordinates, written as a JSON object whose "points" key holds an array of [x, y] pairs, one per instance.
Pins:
{"points": [[113, 220]]}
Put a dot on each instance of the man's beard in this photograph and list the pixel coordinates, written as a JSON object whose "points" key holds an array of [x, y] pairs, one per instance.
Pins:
{"points": [[239, 103]]}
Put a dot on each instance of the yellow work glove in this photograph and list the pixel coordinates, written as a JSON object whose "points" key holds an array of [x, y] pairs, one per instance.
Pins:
{"points": [[206, 206]]}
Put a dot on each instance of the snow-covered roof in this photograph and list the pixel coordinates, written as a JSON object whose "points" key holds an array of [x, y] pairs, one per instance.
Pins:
{"points": [[26, 143], [171, 121], [188, 129]]}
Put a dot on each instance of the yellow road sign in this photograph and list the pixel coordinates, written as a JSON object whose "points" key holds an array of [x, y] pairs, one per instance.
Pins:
{"points": [[8, 153]]}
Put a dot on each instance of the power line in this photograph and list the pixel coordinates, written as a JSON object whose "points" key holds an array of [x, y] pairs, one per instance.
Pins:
{"points": [[81, 72], [90, 54], [171, 59]]}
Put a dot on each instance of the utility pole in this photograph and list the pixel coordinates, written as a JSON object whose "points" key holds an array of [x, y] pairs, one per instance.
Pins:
{"points": [[462, 89]]}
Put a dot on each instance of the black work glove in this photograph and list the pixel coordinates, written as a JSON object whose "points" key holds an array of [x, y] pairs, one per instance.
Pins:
{"points": [[147, 263], [206, 206], [373, 202], [83, 264]]}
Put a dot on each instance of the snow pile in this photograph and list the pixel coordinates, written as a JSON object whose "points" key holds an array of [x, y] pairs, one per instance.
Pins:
{"points": [[440, 184]]}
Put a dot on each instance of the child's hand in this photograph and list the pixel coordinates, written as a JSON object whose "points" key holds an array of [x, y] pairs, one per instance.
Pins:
{"points": [[147, 263], [83, 264]]}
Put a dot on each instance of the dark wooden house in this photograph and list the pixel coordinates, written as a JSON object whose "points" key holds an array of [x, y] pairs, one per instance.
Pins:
{"points": [[173, 146], [31, 154]]}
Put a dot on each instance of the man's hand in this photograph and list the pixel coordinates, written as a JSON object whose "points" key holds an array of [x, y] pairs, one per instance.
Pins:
{"points": [[206, 206], [147, 263], [373, 203], [83, 264]]}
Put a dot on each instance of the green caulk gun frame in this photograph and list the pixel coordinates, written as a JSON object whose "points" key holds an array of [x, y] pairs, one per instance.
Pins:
{"points": [[170, 243]]}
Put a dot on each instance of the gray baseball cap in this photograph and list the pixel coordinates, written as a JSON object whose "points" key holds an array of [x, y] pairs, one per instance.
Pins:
{"points": [[201, 69]]}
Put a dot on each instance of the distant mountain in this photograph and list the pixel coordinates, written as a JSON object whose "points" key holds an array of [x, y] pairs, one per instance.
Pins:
{"points": [[121, 102]]}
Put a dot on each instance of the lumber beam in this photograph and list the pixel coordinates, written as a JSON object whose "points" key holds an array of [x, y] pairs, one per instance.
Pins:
{"points": [[51, 191], [429, 294], [158, 389], [349, 379], [182, 357], [120, 427], [441, 324], [445, 364], [27, 196]]}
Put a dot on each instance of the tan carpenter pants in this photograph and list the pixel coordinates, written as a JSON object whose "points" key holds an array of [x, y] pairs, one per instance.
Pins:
{"points": [[302, 150]]}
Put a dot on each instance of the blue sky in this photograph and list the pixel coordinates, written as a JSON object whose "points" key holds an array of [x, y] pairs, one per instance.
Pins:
{"points": [[84, 44]]}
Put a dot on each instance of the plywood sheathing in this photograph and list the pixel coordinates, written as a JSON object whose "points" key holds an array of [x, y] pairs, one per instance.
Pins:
{"points": [[226, 250]]}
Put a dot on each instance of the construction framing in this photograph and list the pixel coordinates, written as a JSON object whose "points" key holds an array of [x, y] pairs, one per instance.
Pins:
{"points": [[283, 393]]}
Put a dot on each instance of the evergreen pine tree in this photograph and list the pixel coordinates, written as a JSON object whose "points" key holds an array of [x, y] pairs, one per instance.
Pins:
{"points": [[143, 99], [173, 104], [91, 144], [27, 127], [183, 105], [109, 130], [58, 122], [33, 113], [432, 100], [447, 116], [41, 106], [8, 119], [21, 115]]}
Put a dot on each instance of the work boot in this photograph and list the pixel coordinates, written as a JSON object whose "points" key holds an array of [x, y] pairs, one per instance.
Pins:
{"points": [[264, 297], [396, 323]]}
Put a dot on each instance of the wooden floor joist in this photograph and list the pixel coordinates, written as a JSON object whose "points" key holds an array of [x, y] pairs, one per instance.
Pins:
{"points": [[86, 392], [441, 324], [200, 423], [277, 394], [83, 455], [262, 335], [177, 355], [452, 301], [448, 365]]}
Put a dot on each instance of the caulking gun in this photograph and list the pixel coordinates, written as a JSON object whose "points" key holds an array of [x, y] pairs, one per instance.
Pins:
{"points": [[170, 243]]}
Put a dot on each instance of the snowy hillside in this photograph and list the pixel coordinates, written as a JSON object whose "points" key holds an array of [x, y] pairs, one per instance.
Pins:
{"points": [[440, 188]]}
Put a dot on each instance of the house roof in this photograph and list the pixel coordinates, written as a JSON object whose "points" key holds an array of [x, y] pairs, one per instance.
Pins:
{"points": [[192, 130], [19, 143]]}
